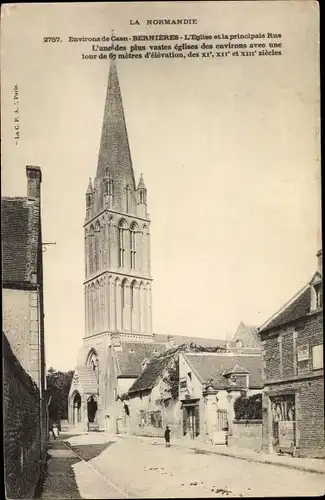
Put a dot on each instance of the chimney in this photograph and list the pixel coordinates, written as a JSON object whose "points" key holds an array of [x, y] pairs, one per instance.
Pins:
{"points": [[319, 256], [34, 179]]}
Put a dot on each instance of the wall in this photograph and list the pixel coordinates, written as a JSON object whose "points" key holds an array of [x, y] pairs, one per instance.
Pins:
{"points": [[22, 428], [246, 434], [282, 376], [150, 401], [193, 386], [15, 311]]}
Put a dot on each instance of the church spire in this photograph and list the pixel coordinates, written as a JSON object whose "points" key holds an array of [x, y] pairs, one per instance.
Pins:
{"points": [[114, 151], [90, 187]]}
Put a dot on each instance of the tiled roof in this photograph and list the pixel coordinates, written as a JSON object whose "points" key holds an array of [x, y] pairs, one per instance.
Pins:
{"points": [[19, 223], [87, 379], [210, 368], [295, 309], [182, 339], [129, 359], [152, 371]]}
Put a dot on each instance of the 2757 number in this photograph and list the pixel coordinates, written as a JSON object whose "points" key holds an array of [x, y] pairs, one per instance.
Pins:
{"points": [[51, 39]]}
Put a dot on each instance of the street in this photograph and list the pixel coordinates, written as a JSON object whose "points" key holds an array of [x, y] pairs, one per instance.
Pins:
{"points": [[127, 467]]}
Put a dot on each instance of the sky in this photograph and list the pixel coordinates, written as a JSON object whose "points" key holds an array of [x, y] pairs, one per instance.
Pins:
{"points": [[229, 151]]}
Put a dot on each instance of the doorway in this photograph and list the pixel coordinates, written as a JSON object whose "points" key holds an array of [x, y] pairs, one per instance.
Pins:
{"points": [[191, 421], [283, 411], [77, 409], [91, 409]]}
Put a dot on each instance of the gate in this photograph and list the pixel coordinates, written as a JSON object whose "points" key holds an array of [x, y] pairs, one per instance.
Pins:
{"points": [[222, 420], [219, 434]]}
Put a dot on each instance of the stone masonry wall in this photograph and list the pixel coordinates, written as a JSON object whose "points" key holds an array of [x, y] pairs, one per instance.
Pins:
{"points": [[246, 434], [22, 428]]}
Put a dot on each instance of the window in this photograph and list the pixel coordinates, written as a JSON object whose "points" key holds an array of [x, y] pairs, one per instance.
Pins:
{"points": [[128, 198], [110, 186], [316, 297], [133, 247], [303, 358], [319, 296], [317, 354], [122, 246]]}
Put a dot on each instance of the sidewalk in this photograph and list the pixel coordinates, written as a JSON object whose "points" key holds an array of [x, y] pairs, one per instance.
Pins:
{"points": [[305, 464], [69, 476]]}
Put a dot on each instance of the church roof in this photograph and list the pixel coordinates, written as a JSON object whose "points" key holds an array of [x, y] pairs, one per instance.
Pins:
{"points": [[132, 354], [114, 151], [20, 225], [183, 339], [210, 368]]}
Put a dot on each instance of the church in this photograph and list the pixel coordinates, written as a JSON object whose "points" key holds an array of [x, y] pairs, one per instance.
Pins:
{"points": [[118, 337]]}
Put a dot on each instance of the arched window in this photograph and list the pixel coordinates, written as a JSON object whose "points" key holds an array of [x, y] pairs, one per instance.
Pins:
{"points": [[128, 198], [86, 253], [91, 250], [132, 297], [93, 303], [97, 247], [110, 185], [133, 246], [122, 243], [123, 294]]}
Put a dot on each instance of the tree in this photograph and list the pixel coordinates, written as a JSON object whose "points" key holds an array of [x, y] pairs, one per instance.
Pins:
{"points": [[58, 386], [248, 408]]}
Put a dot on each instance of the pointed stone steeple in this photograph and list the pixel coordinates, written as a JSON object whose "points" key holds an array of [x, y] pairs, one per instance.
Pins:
{"points": [[141, 184], [90, 187], [114, 153]]}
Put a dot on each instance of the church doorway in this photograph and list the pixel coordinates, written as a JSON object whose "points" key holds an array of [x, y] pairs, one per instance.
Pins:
{"points": [[91, 409], [77, 409]]}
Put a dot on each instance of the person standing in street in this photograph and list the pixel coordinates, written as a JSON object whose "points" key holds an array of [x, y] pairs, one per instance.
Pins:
{"points": [[167, 436], [55, 430]]}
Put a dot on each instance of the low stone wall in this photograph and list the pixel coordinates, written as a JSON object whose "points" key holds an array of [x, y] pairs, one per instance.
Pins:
{"points": [[23, 448], [246, 434]]}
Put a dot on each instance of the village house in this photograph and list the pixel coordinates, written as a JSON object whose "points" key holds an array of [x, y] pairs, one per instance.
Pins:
{"points": [[153, 398], [24, 379], [173, 389], [209, 384], [293, 402]]}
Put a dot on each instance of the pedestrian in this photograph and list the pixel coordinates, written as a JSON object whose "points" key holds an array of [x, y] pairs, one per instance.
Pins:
{"points": [[55, 430], [167, 436]]}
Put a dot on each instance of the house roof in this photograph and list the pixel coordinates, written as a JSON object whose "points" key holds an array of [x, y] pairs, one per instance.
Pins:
{"points": [[87, 379], [131, 355], [20, 227], [182, 339], [153, 371], [210, 368], [296, 308]]}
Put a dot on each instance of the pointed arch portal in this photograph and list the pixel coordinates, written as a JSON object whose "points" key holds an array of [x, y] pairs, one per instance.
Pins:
{"points": [[77, 409], [92, 409]]}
